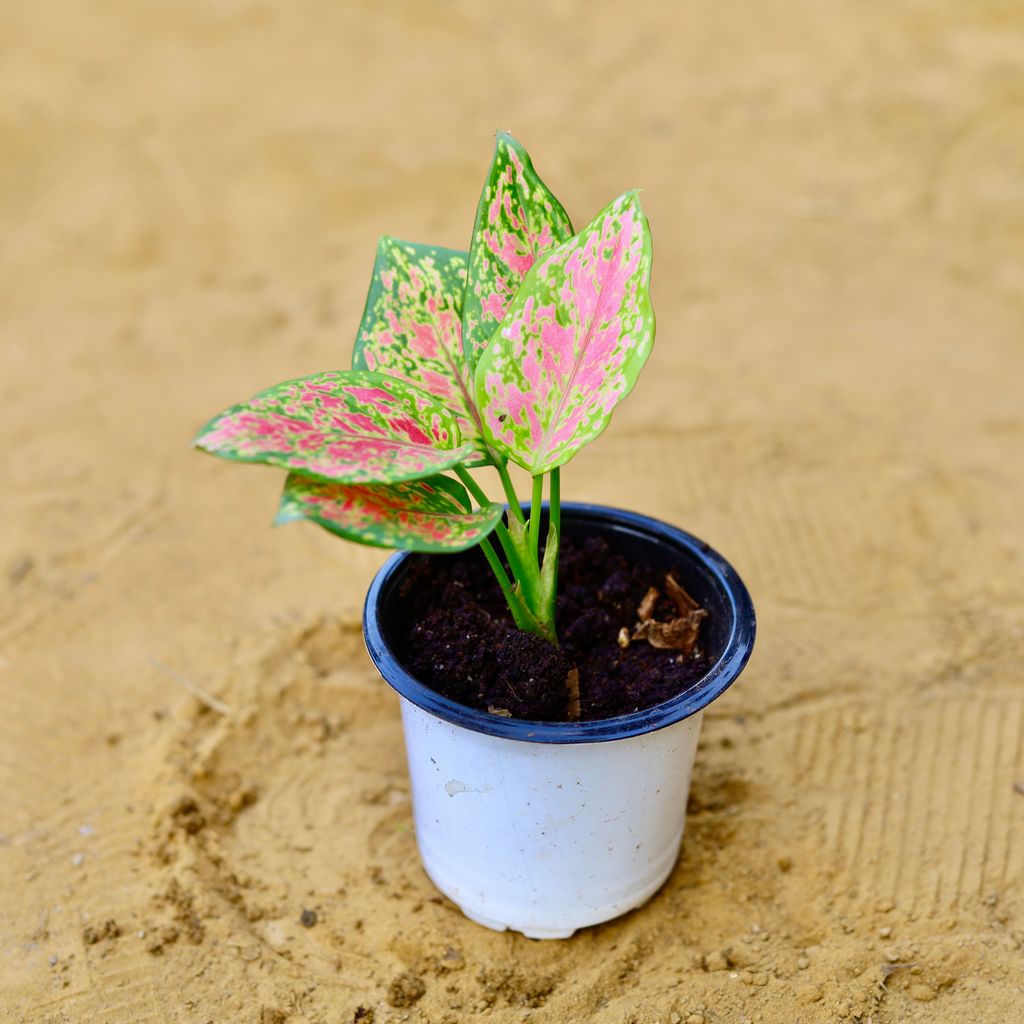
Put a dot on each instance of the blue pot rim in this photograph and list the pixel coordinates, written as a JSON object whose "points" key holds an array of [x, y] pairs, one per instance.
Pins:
{"points": [[712, 685]]}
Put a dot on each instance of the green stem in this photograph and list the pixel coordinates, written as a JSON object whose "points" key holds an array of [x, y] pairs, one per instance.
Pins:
{"points": [[523, 618], [471, 485], [522, 572], [535, 503], [510, 492], [520, 569], [554, 531], [504, 538], [555, 500]]}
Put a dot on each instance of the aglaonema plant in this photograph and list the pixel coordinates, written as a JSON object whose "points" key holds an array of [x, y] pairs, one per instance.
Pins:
{"points": [[515, 351]]}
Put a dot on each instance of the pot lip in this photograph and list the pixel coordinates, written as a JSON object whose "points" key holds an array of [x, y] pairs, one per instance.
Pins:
{"points": [[695, 698]]}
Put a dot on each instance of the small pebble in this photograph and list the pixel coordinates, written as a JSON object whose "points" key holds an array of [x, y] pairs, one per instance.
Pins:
{"points": [[77, 859], [716, 962], [810, 994], [884, 933], [307, 918], [803, 963], [452, 960], [921, 992], [785, 862]]}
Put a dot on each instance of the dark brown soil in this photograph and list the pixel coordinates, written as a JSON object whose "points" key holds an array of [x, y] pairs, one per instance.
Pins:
{"points": [[460, 638]]}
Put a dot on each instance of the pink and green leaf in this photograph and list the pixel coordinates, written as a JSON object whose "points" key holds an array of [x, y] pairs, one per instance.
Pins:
{"points": [[347, 426], [417, 515], [412, 328], [572, 343], [518, 220]]}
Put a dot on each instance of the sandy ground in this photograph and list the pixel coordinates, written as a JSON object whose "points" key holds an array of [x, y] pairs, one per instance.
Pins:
{"points": [[189, 199]]}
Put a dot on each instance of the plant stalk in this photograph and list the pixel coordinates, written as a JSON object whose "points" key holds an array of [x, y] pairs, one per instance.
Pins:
{"points": [[523, 618], [555, 500], [510, 492], [535, 503], [471, 485], [524, 595], [554, 528], [504, 538]]}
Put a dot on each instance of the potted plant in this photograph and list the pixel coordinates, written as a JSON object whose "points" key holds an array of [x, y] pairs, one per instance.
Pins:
{"points": [[550, 730]]}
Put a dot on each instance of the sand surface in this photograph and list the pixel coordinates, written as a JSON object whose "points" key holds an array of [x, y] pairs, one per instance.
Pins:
{"points": [[189, 199]]}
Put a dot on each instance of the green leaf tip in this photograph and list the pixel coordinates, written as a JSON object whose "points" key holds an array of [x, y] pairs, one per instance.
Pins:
{"points": [[518, 220]]}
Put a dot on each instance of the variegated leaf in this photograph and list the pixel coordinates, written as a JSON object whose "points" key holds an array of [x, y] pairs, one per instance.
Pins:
{"points": [[418, 515], [573, 342], [518, 220], [411, 326], [349, 426]]}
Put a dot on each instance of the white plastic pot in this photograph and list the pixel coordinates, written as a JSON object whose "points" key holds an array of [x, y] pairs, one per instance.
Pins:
{"points": [[547, 827], [546, 838]]}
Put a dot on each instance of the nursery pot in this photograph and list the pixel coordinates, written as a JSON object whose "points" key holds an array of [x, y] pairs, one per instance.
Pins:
{"points": [[546, 827]]}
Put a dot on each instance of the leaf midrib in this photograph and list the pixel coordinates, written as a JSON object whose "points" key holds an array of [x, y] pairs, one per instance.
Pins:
{"points": [[400, 444], [436, 515]]}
